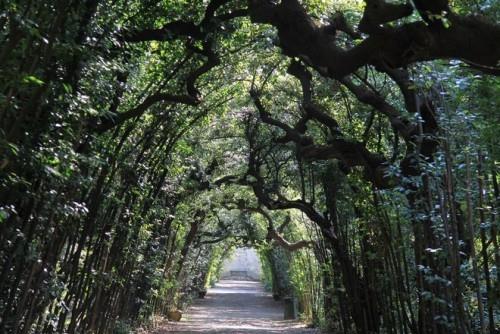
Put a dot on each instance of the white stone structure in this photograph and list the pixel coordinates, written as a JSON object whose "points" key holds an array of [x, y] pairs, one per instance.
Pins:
{"points": [[243, 264]]}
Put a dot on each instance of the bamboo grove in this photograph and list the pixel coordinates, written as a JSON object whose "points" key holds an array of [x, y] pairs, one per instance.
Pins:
{"points": [[353, 143]]}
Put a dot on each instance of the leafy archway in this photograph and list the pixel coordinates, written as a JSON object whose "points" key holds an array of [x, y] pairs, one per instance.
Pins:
{"points": [[354, 142]]}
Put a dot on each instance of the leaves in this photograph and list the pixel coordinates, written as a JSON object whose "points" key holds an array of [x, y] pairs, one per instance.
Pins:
{"points": [[108, 216], [32, 80]]}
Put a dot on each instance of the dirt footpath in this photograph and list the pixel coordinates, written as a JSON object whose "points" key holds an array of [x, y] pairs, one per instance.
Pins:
{"points": [[235, 307]]}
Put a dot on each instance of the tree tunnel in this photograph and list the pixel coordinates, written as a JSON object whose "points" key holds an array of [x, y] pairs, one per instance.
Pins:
{"points": [[352, 143]]}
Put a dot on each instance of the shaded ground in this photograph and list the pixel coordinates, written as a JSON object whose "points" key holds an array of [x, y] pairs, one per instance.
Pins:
{"points": [[235, 307]]}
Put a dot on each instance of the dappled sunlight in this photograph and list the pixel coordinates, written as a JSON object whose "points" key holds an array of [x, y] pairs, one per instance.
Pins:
{"points": [[221, 166], [234, 306], [232, 286]]}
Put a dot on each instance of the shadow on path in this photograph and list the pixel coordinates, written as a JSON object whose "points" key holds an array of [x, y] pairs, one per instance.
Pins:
{"points": [[235, 307]]}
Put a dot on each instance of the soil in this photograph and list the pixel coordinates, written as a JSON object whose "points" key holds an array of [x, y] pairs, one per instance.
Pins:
{"points": [[234, 306]]}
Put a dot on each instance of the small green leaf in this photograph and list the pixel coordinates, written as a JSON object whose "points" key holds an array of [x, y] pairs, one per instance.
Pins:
{"points": [[13, 148], [30, 79], [446, 22], [67, 88], [3, 216]]}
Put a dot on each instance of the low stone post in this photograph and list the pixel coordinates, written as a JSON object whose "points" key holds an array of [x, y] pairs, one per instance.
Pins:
{"points": [[290, 308]]}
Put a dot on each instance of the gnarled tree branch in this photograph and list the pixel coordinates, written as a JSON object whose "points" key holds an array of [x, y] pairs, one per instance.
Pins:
{"points": [[469, 38]]}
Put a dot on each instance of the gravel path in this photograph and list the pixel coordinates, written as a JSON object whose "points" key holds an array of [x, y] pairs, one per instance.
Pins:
{"points": [[235, 307]]}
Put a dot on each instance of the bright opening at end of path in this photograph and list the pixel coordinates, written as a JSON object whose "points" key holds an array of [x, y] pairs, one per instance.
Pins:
{"points": [[243, 265], [238, 303]]}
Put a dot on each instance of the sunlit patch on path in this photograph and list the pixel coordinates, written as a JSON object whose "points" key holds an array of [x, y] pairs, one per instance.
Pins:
{"points": [[235, 307]]}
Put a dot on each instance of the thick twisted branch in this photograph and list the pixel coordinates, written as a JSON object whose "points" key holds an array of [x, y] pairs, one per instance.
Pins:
{"points": [[467, 38]]}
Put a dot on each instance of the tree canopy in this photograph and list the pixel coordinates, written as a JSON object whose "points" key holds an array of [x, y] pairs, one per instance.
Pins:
{"points": [[353, 143]]}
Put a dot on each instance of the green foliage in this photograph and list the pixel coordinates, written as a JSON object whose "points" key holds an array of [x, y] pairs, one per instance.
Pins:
{"points": [[113, 210]]}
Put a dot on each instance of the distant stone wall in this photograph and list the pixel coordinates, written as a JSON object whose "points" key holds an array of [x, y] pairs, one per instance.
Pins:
{"points": [[243, 264]]}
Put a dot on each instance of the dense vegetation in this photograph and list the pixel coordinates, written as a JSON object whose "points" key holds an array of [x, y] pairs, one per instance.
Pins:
{"points": [[353, 143]]}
